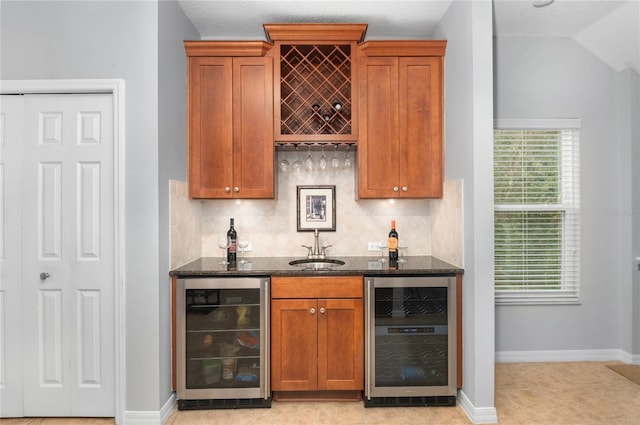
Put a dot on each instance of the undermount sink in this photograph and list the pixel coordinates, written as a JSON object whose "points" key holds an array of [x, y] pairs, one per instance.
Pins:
{"points": [[317, 263]]}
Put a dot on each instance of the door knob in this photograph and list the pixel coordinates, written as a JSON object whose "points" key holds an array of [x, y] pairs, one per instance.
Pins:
{"points": [[404, 188], [322, 310], [236, 189], [312, 311], [44, 276], [395, 188], [227, 189]]}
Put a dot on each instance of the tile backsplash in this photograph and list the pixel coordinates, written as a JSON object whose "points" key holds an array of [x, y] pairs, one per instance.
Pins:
{"points": [[270, 225]]}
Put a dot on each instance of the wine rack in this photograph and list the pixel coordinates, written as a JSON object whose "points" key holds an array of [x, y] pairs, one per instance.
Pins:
{"points": [[315, 89]]}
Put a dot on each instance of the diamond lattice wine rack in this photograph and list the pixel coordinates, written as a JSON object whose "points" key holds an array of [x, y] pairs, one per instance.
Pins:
{"points": [[315, 89], [314, 83]]}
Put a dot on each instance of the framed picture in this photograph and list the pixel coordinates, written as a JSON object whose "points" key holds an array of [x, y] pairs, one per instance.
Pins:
{"points": [[316, 208]]}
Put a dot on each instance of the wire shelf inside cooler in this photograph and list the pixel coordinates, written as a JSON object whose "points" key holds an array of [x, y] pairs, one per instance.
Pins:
{"points": [[411, 305], [411, 360]]}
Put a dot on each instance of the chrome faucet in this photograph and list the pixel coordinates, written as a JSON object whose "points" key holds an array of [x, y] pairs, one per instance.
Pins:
{"points": [[317, 252]]}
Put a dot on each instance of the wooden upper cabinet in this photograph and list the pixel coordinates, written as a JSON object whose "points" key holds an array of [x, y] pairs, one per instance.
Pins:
{"points": [[315, 86], [230, 120], [401, 152]]}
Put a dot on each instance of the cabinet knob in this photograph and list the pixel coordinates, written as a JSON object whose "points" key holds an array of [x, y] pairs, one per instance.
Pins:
{"points": [[227, 189], [395, 188], [404, 188], [322, 310], [312, 311]]}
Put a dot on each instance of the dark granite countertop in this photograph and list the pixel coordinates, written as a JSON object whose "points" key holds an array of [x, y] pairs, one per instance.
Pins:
{"points": [[279, 266]]}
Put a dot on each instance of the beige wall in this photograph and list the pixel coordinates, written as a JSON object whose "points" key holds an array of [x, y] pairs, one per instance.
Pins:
{"points": [[430, 227]]}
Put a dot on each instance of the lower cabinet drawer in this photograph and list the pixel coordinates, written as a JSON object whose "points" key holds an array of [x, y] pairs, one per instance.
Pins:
{"points": [[317, 287]]}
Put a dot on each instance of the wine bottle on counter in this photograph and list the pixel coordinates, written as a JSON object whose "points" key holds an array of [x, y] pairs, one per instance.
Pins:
{"points": [[393, 242], [232, 236]]}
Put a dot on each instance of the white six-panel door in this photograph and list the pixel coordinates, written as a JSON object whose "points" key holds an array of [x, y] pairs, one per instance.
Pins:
{"points": [[67, 274], [11, 127]]}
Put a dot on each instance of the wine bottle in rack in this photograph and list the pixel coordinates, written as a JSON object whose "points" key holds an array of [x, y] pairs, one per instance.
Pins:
{"points": [[232, 236], [393, 242]]}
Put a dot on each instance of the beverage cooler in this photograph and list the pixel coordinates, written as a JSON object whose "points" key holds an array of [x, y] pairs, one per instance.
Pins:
{"points": [[222, 358], [410, 341]]}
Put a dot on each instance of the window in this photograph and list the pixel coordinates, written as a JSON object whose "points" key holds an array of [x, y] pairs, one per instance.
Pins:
{"points": [[536, 217]]}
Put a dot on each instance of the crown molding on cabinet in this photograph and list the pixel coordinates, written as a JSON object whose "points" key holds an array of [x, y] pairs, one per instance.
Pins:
{"points": [[226, 48], [315, 32], [404, 47]]}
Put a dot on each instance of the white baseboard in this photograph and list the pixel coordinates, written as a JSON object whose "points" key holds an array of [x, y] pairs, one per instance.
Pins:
{"points": [[150, 417], [566, 356], [138, 417], [167, 409], [477, 415]]}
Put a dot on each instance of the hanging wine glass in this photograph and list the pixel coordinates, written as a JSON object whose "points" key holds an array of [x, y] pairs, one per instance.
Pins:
{"points": [[348, 163], [297, 164], [323, 159], [335, 161], [284, 164], [308, 161]]}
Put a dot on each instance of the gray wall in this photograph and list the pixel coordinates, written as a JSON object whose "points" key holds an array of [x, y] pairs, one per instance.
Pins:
{"points": [[557, 78], [467, 26], [174, 28], [63, 40], [629, 92]]}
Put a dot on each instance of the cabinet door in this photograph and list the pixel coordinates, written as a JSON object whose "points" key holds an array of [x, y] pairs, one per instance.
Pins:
{"points": [[210, 162], [253, 150], [400, 149], [340, 344], [420, 127], [294, 344], [378, 162]]}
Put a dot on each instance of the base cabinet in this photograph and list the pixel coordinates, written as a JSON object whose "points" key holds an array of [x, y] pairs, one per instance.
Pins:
{"points": [[317, 343]]}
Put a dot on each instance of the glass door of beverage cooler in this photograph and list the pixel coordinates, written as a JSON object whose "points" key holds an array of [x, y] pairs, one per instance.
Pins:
{"points": [[410, 337], [222, 344]]}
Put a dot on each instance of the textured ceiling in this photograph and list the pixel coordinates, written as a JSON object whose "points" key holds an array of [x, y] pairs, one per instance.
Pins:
{"points": [[608, 28], [215, 19], [561, 18]]}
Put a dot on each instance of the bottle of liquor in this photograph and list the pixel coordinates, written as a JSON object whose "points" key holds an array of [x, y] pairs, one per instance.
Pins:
{"points": [[232, 236], [393, 242]]}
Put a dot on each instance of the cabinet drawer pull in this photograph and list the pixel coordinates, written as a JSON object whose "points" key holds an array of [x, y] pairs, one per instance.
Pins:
{"points": [[404, 188], [322, 310], [236, 189], [227, 189], [395, 188], [312, 311]]}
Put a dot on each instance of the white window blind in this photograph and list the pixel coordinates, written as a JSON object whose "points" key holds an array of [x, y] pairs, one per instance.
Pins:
{"points": [[536, 217]]}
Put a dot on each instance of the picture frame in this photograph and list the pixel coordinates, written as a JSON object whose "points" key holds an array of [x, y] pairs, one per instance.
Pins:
{"points": [[316, 208]]}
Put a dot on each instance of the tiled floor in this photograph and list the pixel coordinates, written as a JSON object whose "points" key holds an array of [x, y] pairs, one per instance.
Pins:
{"points": [[583, 393]]}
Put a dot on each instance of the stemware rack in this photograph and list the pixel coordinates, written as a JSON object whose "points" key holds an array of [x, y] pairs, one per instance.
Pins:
{"points": [[316, 146]]}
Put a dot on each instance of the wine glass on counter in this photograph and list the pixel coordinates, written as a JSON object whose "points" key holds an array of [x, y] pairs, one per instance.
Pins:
{"points": [[402, 245], [223, 244], [243, 245], [382, 245]]}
